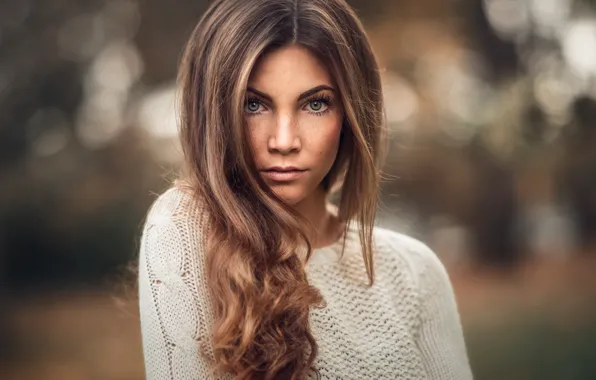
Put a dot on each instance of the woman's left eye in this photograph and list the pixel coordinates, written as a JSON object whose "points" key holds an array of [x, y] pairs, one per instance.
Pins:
{"points": [[316, 105], [319, 105]]}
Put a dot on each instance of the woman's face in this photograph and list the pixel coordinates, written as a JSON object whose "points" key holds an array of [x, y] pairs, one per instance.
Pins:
{"points": [[294, 120]]}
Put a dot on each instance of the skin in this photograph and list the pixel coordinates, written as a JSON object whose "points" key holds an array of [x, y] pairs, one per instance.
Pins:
{"points": [[286, 129]]}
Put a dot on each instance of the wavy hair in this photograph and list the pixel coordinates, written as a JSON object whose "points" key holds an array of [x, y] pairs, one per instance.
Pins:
{"points": [[257, 281]]}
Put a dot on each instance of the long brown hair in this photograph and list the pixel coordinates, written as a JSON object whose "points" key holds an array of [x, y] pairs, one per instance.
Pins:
{"points": [[256, 278]]}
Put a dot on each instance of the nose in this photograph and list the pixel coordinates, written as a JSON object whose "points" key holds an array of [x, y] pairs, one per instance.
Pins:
{"points": [[285, 138]]}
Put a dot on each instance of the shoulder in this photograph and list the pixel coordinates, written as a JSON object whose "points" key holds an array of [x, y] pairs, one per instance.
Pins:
{"points": [[403, 246], [411, 254], [175, 205], [175, 226], [172, 241]]}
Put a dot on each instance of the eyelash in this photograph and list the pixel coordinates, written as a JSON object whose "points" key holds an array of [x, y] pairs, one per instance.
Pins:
{"points": [[325, 99]]}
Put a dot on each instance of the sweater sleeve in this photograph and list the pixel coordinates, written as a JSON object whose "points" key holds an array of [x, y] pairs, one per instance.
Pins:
{"points": [[172, 310], [440, 335]]}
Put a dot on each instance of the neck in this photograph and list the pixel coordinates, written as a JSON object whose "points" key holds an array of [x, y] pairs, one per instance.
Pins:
{"points": [[325, 225]]}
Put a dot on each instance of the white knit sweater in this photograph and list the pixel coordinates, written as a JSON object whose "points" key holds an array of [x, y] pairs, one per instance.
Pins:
{"points": [[406, 326]]}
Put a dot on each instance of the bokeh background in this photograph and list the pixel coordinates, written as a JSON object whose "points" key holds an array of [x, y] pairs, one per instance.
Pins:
{"points": [[492, 117]]}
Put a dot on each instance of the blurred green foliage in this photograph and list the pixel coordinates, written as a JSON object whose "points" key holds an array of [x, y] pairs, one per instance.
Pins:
{"points": [[532, 347]]}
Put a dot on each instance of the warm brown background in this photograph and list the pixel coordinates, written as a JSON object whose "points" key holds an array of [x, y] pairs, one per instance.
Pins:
{"points": [[492, 110]]}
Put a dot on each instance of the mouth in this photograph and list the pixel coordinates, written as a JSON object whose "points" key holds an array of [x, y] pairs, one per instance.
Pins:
{"points": [[283, 174]]}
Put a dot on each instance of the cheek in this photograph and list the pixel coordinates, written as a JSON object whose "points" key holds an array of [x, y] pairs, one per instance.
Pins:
{"points": [[257, 138], [325, 140]]}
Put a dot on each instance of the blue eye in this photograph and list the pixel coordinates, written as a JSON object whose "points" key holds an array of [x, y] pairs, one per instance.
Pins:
{"points": [[319, 105], [252, 106], [316, 105]]}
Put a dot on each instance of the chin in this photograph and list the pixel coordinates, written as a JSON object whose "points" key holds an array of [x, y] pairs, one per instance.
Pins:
{"points": [[291, 197], [290, 200]]}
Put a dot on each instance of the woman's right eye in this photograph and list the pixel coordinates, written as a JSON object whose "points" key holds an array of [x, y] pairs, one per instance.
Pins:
{"points": [[252, 106]]}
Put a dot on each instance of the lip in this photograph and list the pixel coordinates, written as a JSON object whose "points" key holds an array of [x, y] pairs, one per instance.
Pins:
{"points": [[283, 174], [283, 169]]}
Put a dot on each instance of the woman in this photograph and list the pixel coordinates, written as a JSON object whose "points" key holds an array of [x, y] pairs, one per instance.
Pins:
{"points": [[246, 271]]}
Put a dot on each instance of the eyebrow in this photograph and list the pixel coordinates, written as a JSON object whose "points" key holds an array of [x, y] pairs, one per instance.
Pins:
{"points": [[303, 95]]}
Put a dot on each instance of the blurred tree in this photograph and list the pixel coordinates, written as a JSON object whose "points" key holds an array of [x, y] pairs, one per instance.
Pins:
{"points": [[577, 170], [69, 211]]}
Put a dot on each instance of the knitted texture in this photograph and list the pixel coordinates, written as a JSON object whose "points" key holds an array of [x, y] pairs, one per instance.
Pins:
{"points": [[406, 326]]}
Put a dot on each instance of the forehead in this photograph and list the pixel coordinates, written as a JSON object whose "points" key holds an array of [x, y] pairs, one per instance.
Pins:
{"points": [[292, 68]]}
